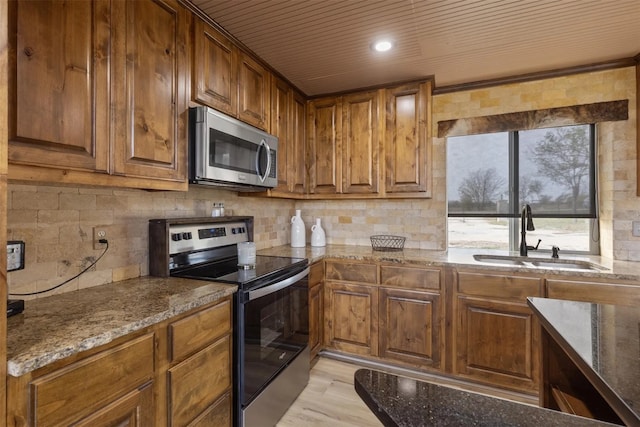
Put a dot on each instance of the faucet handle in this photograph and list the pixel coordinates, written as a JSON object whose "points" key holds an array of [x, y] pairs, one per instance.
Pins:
{"points": [[554, 252], [535, 248]]}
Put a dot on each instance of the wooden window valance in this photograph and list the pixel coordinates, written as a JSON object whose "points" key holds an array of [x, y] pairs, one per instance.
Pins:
{"points": [[537, 119]]}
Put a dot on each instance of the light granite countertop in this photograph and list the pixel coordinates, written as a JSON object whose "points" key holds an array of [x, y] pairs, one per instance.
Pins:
{"points": [[613, 270], [61, 325]]}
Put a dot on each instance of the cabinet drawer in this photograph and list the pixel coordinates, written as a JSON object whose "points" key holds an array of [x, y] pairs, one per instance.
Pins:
{"points": [[199, 381], [316, 273], [601, 293], [351, 272], [195, 332], [407, 277], [218, 414], [77, 390], [499, 286]]}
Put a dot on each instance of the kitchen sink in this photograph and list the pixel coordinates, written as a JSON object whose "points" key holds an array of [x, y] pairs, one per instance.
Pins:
{"points": [[570, 264], [499, 259], [531, 262]]}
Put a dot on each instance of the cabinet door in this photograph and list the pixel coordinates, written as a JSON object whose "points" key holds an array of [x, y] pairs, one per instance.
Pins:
{"points": [[407, 138], [58, 85], [351, 318], [496, 343], [325, 130], [360, 142], [281, 127], [316, 308], [254, 89], [214, 69], [149, 88], [410, 326], [132, 410], [298, 144]]}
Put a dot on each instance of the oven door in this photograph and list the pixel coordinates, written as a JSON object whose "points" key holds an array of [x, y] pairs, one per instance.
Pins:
{"points": [[274, 324]]}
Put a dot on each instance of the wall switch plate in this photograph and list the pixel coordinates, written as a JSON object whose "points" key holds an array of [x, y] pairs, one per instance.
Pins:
{"points": [[15, 255], [635, 228]]}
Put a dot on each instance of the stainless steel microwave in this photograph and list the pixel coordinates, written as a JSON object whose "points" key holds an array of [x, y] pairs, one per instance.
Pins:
{"points": [[226, 152]]}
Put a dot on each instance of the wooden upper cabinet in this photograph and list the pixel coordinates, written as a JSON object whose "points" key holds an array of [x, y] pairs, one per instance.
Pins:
{"points": [[254, 89], [360, 142], [350, 136], [214, 69], [298, 151], [288, 124], [150, 78], [99, 87], [58, 84], [280, 127], [407, 139], [324, 129], [228, 79]]}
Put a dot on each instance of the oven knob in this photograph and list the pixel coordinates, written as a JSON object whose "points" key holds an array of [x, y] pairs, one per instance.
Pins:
{"points": [[186, 236], [176, 237], [189, 236], [233, 231]]}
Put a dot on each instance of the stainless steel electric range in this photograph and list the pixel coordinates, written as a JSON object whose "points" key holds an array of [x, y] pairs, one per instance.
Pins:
{"points": [[271, 313]]}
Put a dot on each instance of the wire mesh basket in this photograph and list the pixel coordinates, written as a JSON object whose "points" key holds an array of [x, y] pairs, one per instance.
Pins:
{"points": [[384, 242]]}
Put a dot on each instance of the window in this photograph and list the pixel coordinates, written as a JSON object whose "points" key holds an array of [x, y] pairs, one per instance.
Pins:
{"points": [[490, 177]]}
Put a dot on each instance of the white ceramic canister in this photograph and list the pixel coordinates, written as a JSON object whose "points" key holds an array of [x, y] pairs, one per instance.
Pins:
{"points": [[298, 238], [318, 237]]}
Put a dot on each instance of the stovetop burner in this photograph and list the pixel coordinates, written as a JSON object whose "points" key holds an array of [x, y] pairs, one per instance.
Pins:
{"points": [[228, 271]]}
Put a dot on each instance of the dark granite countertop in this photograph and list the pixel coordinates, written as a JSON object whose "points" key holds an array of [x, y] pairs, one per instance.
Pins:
{"points": [[61, 325], [604, 342], [400, 401]]}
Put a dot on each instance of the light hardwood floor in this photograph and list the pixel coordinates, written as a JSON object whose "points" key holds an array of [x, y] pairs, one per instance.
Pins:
{"points": [[329, 400]]}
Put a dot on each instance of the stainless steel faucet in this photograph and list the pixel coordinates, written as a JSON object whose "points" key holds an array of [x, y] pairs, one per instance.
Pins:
{"points": [[526, 224]]}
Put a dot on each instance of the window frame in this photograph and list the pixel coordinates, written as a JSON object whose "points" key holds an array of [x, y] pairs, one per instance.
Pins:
{"points": [[515, 205]]}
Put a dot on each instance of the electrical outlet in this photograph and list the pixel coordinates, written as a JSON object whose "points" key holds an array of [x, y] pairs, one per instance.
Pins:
{"points": [[99, 233], [15, 255]]}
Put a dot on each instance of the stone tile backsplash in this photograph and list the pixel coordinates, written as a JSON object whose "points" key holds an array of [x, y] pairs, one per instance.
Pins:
{"points": [[57, 223]]}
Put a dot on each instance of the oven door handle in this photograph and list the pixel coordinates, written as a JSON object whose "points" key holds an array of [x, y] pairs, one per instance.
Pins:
{"points": [[257, 293]]}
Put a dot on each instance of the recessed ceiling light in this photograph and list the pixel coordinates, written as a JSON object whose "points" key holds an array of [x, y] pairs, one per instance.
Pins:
{"points": [[382, 45]]}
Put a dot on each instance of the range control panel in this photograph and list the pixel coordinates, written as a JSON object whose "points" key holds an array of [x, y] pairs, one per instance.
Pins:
{"points": [[192, 237]]}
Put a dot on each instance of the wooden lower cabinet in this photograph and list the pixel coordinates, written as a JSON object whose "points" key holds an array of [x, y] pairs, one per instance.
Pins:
{"points": [[111, 385], [392, 313], [175, 373], [199, 375], [197, 382], [496, 337], [351, 318], [316, 308]]}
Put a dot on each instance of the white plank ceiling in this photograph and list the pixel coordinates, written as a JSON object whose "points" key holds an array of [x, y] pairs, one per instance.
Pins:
{"points": [[323, 46]]}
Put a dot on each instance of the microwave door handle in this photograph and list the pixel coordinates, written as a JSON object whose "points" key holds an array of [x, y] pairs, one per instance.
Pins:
{"points": [[264, 144], [277, 286]]}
